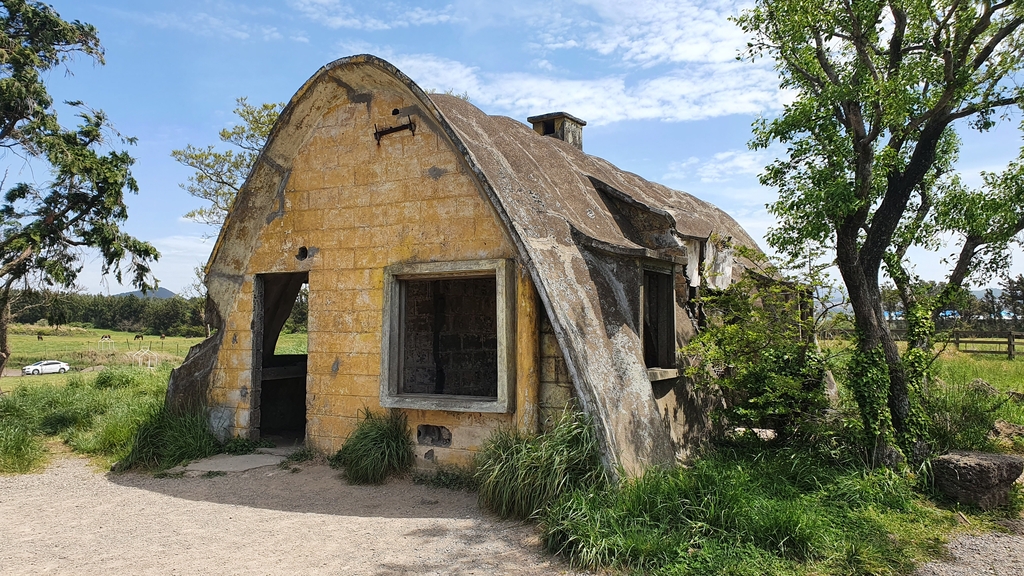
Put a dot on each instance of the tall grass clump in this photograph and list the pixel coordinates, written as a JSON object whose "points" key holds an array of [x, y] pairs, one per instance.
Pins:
{"points": [[768, 511], [20, 451], [519, 476], [167, 438], [381, 445]]}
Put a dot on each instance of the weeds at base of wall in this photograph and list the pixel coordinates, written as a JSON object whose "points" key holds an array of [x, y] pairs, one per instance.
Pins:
{"points": [[239, 446], [167, 439], [380, 446], [448, 477], [519, 476]]}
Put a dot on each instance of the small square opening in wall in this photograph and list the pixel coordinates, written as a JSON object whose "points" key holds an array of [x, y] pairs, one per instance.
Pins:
{"points": [[447, 336]]}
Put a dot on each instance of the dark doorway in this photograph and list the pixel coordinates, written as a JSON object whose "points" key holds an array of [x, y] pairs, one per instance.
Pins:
{"points": [[658, 313], [279, 380]]}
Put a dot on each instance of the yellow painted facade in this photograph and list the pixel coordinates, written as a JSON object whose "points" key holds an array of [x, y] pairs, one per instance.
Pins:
{"points": [[359, 207]]}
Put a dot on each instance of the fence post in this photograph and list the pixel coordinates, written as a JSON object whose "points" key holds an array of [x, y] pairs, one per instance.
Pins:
{"points": [[1010, 345], [956, 340]]}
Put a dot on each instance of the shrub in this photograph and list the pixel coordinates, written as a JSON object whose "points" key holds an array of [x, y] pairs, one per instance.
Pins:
{"points": [[756, 343], [520, 476], [381, 445]]}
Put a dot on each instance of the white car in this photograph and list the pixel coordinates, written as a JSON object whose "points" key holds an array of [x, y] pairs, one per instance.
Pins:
{"points": [[46, 367]]}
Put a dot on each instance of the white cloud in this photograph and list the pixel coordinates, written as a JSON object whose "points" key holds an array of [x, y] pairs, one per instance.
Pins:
{"points": [[205, 24], [722, 167], [692, 92], [339, 14], [649, 32]]}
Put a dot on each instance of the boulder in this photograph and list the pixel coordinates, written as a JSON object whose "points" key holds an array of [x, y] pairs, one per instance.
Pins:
{"points": [[977, 478]]}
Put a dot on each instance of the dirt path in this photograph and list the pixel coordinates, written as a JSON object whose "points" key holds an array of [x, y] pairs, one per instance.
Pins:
{"points": [[71, 519]]}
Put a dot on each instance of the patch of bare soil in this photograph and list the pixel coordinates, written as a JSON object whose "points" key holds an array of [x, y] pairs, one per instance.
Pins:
{"points": [[71, 520]]}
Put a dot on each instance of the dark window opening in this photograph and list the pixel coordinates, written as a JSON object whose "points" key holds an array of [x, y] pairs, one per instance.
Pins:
{"points": [[658, 320], [279, 366], [449, 342], [549, 127]]}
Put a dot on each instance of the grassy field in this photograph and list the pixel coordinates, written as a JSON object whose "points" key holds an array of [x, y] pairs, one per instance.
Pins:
{"points": [[82, 348]]}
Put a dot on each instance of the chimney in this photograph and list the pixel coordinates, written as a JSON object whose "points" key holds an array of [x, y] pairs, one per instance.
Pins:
{"points": [[561, 125]]}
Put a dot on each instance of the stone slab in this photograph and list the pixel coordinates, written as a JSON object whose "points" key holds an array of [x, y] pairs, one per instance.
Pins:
{"points": [[230, 463]]}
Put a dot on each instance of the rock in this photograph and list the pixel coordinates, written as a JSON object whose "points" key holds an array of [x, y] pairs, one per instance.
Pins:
{"points": [[977, 478], [1016, 397], [984, 387], [1007, 430]]}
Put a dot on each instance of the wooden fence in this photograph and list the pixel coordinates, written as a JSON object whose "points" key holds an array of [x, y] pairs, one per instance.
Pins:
{"points": [[967, 341], [986, 343]]}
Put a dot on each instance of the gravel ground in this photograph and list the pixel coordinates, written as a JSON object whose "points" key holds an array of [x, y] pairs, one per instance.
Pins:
{"points": [[72, 520], [995, 554]]}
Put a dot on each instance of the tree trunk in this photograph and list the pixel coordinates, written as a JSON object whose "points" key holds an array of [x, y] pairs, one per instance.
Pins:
{"points": [[5, 322]]}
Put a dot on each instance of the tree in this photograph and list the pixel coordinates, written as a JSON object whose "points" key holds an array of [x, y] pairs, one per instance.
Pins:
{"points": [[1013, 296], [42, 227], [219, 175], [879, 88]]}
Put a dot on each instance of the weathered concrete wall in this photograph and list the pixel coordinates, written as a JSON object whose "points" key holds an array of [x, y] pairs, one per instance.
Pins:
{"points": [[357, 207]]}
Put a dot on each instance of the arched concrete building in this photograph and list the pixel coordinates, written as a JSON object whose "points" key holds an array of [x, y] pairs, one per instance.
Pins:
{"points": [[465, 268]]}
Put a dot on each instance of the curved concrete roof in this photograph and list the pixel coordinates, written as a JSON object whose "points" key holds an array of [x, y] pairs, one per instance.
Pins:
{"points": [[578, 223]]}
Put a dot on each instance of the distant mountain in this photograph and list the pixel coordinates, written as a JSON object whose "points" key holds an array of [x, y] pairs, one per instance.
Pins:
{"points": [[997, 292], [158, 293]]}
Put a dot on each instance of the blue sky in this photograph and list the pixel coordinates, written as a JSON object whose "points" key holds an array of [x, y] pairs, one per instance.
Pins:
{"points": [[657, 81]]}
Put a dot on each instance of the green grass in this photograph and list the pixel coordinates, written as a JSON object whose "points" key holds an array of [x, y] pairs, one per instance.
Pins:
{"points": [[380, 446], [294, 343], [81, 347], [239, 446], [519, 475], [95, 415], [962, 415], [759, 511]]}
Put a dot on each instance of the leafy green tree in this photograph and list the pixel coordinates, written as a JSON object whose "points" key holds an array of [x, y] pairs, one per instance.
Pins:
{"points": [[879, 88], [1013, 297], [58, 313], [42, 227], [220, 174]]}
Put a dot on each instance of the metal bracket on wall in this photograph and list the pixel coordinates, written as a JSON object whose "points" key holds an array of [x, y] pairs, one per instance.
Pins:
{"points": [[380, 133]]}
